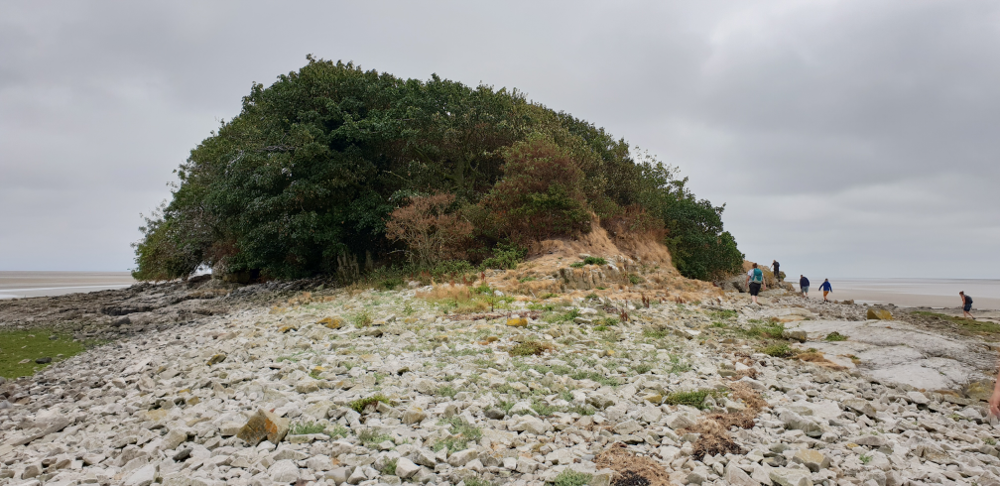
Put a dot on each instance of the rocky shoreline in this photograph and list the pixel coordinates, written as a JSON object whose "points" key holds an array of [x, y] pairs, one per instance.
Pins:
{"points": [[297, 383]]}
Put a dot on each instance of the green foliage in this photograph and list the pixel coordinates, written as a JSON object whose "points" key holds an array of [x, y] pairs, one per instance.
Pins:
{"points": [[361, 404], [570, 477], [529, 348], [362, 319], [306, 178], [506, 256]]}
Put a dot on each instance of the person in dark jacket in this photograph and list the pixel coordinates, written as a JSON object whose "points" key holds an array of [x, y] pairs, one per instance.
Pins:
{"points": [[966, 305], [804, 285], [777, 270], [826, 288]]}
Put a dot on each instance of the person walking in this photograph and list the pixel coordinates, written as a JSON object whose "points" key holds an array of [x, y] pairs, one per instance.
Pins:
{"points": [[804, 285], [966, 305], [826, 288], [755, 280], [777, 272]]}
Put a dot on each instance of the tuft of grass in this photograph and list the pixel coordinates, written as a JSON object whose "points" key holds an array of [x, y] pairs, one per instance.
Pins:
{"points": [[582, 409], [478, 482], [594, 261], [723, 314], [462, 432], [990, 441], [570, 477], [642, 368], [695, 398], [543, 408], [372, 437], [634, 279], [389, 467], [654, 333], [717, 324], [338, 430], [17, 346], [447, 391], [865, 458], [529, 348], [301, 428], [835, 336], [361, 404], [596, 377], [362, 319], [778, 350], [771, 329]]}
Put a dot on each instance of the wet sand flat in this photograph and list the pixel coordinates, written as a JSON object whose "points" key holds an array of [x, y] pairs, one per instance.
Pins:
{"points": [[36, 284], [911, 292]]}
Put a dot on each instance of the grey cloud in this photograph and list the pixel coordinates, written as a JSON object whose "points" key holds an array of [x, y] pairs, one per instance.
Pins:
{"points": [[852, 138]]}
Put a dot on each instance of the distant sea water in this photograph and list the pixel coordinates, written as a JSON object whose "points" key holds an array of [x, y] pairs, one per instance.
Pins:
{"points": [[911, 292], [36, 284]]}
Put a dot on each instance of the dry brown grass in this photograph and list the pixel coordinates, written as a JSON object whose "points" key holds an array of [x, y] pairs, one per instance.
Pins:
{"points": [[714, 429], [446, 292], [817, 358], [631, 468]]}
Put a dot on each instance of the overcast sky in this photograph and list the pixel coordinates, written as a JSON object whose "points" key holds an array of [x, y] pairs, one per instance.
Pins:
{"points": [[847, 139]]}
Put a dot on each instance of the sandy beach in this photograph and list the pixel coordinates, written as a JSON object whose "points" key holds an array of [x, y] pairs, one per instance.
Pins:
{"points": [[36, 284]]}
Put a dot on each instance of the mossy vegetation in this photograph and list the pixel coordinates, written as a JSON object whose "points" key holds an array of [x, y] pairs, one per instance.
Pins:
{"points": [[361, 404], [570, 477], [693, 398], [982, 328], [835, 336], [462, 433], [19, 350]]}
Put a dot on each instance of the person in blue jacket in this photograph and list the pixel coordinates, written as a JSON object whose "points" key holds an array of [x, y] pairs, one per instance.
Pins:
{"points": [[826, 288], [804, 285]]}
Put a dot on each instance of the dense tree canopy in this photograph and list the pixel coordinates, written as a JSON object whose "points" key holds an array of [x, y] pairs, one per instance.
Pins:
{"points": [[315, 165]]}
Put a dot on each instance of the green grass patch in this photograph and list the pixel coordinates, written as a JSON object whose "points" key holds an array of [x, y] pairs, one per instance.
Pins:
{"points": [[372, 437], [642, 368], [18, 346], [462, 432], [361, 404], [778, 350], [695, 398], [447, 391], [771, 330], [596, 377], [529, 348], [362, 319], [302, 428], [338, 430], [478, 482], [654, 333], [543, 408], [835, 336], [634, 279], [723, 314], [570, 477]]}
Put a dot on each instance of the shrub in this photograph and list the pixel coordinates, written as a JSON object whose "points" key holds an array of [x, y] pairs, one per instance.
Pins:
{"points": [[431, 234], [505, 257], [300, 428], [541, 194]]}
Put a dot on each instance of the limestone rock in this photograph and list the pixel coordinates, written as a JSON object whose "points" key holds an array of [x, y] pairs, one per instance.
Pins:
{"points": [[790, 477], [812, 459], [405, 468], [879, 314], [264, 425], [284, 471]]}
